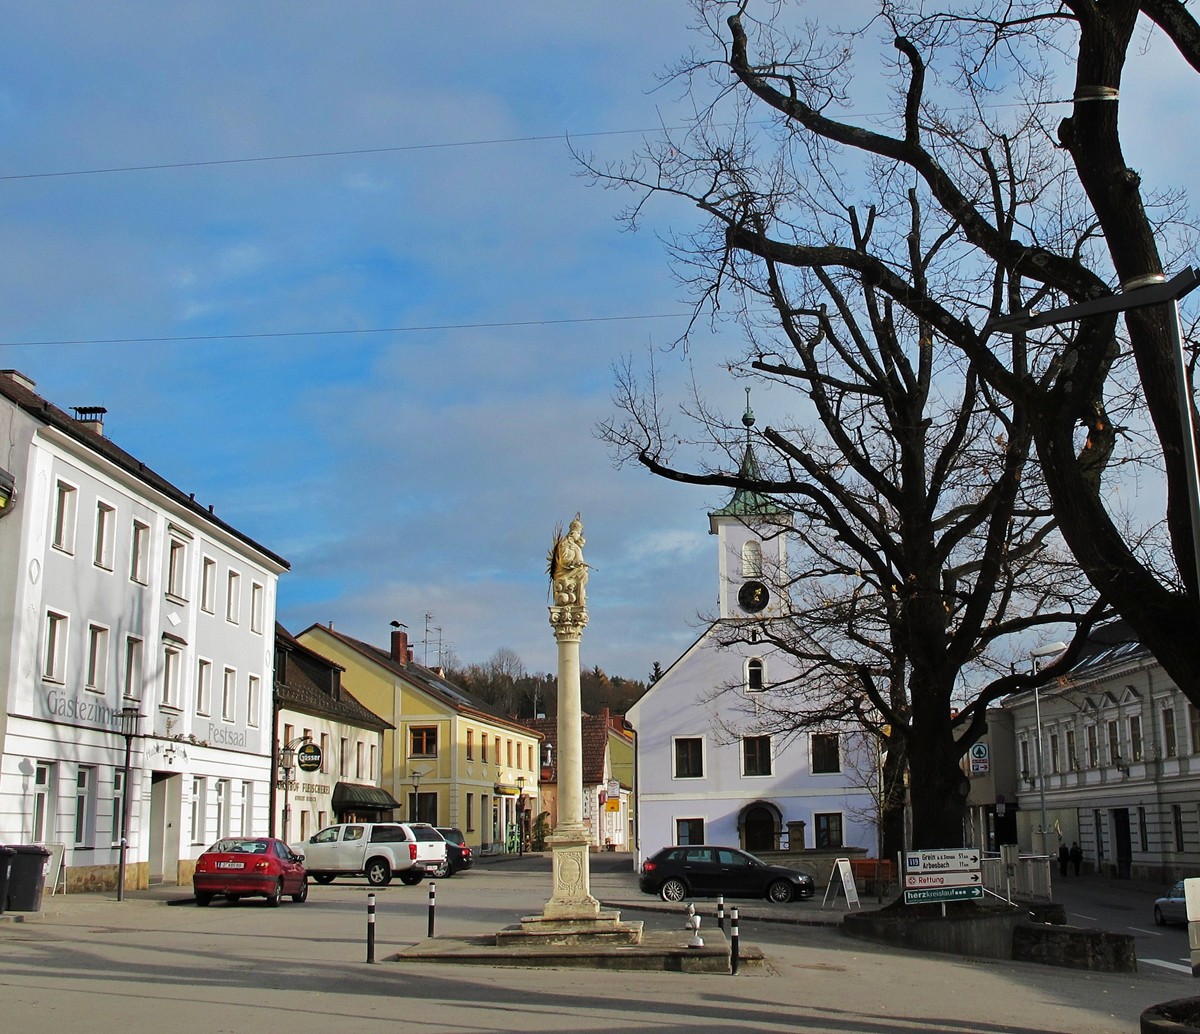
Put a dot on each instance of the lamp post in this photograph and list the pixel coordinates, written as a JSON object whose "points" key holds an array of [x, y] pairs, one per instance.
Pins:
{"points": [[521, 810], [287, 761], [129, 717], [1034, 655], [416, 785]]}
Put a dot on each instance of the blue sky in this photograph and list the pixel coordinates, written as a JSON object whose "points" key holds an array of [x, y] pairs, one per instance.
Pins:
{"points": [[420, 471]]}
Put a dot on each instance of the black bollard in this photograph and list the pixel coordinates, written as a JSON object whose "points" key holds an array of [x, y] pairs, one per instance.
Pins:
{"points": [[432, 905], [721, 912], [370, 927], [733, 940]]}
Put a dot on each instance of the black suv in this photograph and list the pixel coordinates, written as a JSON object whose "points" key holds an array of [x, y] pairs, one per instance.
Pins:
{"points": [[458, 854]]}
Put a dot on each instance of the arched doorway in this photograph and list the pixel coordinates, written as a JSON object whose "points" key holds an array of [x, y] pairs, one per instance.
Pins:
{"points": [[760, 827]]}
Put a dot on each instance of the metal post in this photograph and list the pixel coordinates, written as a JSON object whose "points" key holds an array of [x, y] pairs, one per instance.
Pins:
{"points": [[1037, 709], [129, 717], [721, 912], [733, 940], [432, 906], [370, 927]]}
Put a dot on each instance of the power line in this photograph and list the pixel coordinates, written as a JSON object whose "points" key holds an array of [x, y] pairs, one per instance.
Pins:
{"points": [[426, 328]]}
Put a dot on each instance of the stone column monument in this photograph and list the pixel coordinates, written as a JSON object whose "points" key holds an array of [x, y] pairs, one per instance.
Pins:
{"points": [[572, 915]]}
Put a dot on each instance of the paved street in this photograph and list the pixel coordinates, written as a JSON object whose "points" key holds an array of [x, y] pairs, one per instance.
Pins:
{"points": [[91, 963]]}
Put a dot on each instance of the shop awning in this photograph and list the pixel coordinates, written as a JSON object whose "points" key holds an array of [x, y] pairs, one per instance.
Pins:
{"points": [[361, 795]]}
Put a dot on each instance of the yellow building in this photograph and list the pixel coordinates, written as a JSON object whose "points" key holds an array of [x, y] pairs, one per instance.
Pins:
{"points": [[452, 759]]}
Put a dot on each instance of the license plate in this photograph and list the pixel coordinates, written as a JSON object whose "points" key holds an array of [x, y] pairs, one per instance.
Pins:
{"points": [[231, 865]]}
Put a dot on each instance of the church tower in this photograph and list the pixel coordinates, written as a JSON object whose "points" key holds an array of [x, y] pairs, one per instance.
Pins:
{"points": [[751, 532]]}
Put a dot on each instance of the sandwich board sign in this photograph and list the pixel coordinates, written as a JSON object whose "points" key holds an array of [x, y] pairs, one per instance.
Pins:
{"points": [[841, 871]]}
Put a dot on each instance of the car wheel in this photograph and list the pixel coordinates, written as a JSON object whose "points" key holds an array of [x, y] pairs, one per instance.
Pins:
{"points": [[202, 899], [379, 873], [780, 891], [276, 894], [412, 877], [1158, 916], [322, 877], [443, 870], [302, 895], [673, 890]]}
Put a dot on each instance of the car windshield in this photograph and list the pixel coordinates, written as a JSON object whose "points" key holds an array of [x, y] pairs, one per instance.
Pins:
{"points": [[238, 846]]}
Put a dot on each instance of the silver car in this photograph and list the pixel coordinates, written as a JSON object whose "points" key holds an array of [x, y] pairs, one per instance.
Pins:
{"points": [[1171, 907]]}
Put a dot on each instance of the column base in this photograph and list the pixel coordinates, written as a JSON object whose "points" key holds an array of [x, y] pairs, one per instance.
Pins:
{"points": [[572, 897]]}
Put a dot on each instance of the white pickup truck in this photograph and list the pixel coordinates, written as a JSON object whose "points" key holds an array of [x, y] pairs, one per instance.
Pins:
{"points": [[377, 850]]}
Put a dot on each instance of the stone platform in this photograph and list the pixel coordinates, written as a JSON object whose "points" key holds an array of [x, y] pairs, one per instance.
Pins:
{"points": [[602, 929], [662, 952]]}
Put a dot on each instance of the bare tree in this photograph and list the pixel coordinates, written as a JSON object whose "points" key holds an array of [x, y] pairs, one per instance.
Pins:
{"points": [[937, 464]]}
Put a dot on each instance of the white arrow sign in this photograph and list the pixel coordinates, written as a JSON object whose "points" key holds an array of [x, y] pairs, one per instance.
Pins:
{"points": [[956, 859], [922, 880]]}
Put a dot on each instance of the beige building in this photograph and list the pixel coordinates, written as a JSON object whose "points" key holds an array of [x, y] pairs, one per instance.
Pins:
{"points": [[451, 759]]}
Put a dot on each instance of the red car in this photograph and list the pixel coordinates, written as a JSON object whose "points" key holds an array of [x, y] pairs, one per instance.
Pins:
{"points": [[242, 867]]}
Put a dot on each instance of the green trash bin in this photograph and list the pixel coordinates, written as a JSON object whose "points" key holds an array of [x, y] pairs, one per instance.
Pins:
{"points": [[6, 857], [26, 877]]}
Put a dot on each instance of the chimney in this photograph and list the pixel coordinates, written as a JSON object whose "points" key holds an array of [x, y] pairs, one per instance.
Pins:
{"points": [[17, 377], [92, 417], [401, 653]]}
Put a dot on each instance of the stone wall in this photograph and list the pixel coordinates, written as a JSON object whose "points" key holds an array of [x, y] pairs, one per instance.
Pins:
{"points": [[1075, 948]]}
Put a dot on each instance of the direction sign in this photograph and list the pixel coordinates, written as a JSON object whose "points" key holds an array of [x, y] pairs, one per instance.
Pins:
{"points": [[914, 880], [949, 860], [916, 897]]}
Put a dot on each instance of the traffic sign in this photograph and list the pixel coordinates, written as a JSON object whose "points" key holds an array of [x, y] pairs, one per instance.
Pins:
{"points": [[949, 860], [916, 897], [914, 880]]}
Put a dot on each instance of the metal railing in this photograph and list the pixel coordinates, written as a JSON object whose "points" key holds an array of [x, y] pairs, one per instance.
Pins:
{"points": [[1025, 878]]}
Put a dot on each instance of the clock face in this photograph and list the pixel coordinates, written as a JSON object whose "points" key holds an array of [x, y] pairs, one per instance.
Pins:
{"points": [[753, 596]]}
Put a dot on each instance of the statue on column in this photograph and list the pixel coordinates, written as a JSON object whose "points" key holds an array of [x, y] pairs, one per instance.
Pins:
{"points": [[567, 569]]}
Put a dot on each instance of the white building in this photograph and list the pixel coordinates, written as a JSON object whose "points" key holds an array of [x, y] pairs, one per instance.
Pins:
{"points": [[706, 772], [119, 590]]}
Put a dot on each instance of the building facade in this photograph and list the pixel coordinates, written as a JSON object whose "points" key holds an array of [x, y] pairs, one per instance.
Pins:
{"points": [[707, 772], [451, 759], [1119, 767], [341, 782], [120, 591]]}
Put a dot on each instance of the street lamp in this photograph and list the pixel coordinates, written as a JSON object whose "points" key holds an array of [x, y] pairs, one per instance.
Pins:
{"points": [[416, 785], [521, 809], [1034, 655], [287, 761], [129, 717]]}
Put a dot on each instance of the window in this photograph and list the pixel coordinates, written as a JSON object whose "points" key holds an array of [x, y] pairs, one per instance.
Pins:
{"points": [[825, 754], [133, 668], [423, 741], [228, 694], [203, 686], [829, 830], [345, 755], [689, 757], [233, 598], [1055, 761], [752, 559], [1114, 743], [118, 804], [84, 807], [1168, 719], [64, 517], [177, 569], [43, 800], [470, 812], [1072, 757], [508, 753], [520, 754], [358, 759], [199, 824], [257, 594], [689, 831], [97, 659], [208, 585], [483, 749], [756, 755], [470, 744], [1093, 747], [102, 554], [222, 807], [1177, 825], [754, 675], [54, 649], [1135, 738], [371, 772], [254, 701], [170, 686], [324, 751], [1024, 759], [139, 553]]}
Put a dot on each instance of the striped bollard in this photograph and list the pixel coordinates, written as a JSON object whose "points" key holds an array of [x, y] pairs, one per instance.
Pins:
{"points": [[370, 928], [733, 940], [721, 912], [432, 905]]}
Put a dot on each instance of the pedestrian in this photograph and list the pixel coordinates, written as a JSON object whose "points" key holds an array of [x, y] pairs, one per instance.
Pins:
{"points": [[1076, 856], [1064, 858]]}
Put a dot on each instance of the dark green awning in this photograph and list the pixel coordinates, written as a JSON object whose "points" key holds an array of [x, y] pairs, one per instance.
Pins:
{"points": [[362, 795]]}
